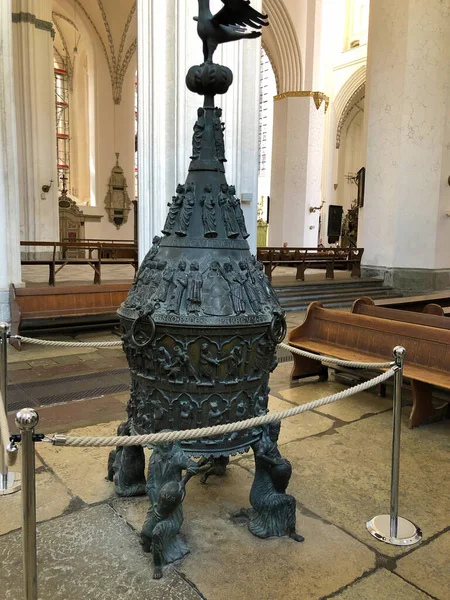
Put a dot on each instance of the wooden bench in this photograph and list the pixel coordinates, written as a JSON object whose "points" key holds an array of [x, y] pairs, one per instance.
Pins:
{"points": [[312, 258], [60, 257], [360, 337], [53, 308], [431, 316], [428, 302], [110, 248]]}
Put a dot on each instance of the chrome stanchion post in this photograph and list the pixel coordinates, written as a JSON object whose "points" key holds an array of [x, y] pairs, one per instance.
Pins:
{"points": [[26, 420], [9, 480], [391, 528]]}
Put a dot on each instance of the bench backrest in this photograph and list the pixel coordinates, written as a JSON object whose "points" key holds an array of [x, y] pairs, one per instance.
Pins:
{"points": [[431, 318], [60, 299], [425, 346], [288, 254], [416, 303]]}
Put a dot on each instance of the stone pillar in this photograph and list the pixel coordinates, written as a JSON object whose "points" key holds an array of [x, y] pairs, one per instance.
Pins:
{"points": [[35, 113], [167, 46], [9, 187], [404, 228], [297, 155]]}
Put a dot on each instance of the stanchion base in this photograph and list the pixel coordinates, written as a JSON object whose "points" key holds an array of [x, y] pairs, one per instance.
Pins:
{"points": [[12, 483], [407, 532]]}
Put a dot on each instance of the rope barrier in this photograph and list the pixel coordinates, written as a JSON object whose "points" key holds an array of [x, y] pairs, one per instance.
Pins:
{"points": [[68, 344], [311, 355], [336, 361], [194, 434], [322, 358]]}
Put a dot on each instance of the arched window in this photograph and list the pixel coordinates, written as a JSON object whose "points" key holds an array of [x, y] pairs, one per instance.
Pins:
{"points": [[62, 119], [357, 23], [72, 102], [268, 90]]}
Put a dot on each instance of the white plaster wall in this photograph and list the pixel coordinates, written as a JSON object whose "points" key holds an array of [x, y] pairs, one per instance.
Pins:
{"points": [[35, 113], [79, 130], [296, 171], [408, 86], [442, 249], [9, 184], [350, 159], [313, 194]]}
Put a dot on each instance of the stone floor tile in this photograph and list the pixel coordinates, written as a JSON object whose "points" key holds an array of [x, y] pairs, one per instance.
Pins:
{"points": [[382, 585], [43, 362], [61, 418], [109, 353], [20, 366], [67, 360], [300, 426], [428, 567], [105, 335], [89, 555], [345, 477], [257, 569], [228, 563], [347, 409], [52, 499], [32, 352], [82, 470]]}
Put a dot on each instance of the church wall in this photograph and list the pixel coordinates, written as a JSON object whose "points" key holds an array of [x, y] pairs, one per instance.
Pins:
{"points": [[341, 63], [442, 251], [102, 126], [407, 163]]}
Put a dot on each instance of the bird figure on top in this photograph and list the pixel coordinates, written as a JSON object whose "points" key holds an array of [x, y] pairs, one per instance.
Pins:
{"points": [[229, 24]]}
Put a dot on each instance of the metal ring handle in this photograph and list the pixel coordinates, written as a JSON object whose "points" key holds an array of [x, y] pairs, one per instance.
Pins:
{"points": [[278, 328], [146, 339]]}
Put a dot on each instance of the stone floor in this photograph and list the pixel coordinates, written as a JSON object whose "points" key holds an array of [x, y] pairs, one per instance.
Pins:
{"points": [[88, 541]]}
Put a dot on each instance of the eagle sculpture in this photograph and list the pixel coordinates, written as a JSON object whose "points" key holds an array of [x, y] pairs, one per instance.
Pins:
{"points": [[228, 25]]}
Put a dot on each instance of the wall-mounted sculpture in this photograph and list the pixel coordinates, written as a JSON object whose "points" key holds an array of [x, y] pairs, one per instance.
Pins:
{"points": [[201, 323], [117, 201]]}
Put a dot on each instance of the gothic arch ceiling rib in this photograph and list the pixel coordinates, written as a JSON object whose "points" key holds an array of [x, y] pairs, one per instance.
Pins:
{"points": [[353, 90], [118, 53], [282, 47]]}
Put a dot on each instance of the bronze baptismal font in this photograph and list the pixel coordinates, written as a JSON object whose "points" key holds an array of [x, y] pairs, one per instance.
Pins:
{"points": [[201, 326]]}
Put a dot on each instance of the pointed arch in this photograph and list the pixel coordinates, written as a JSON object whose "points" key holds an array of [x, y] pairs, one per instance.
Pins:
{"points": [[353, 90], [282, 47]]}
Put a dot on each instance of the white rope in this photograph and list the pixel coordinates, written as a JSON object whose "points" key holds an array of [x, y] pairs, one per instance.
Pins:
{"points": [[319, 357], [336, 361], [194, 434], [68, 344]]}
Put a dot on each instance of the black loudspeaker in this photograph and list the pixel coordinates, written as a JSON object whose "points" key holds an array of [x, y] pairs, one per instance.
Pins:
{"points": [[334, 223]]}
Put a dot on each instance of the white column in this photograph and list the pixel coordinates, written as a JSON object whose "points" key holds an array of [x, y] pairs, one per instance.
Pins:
{"points": [[167, 46], [405, 230], [9, 187], [297, 155], [35, 109]]}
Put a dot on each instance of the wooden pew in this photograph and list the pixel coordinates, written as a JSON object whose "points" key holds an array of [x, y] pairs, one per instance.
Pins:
{"points": [[312, 258], [106, 253], [56, 308], [431, 316], [360, 337], [420, 303]]}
